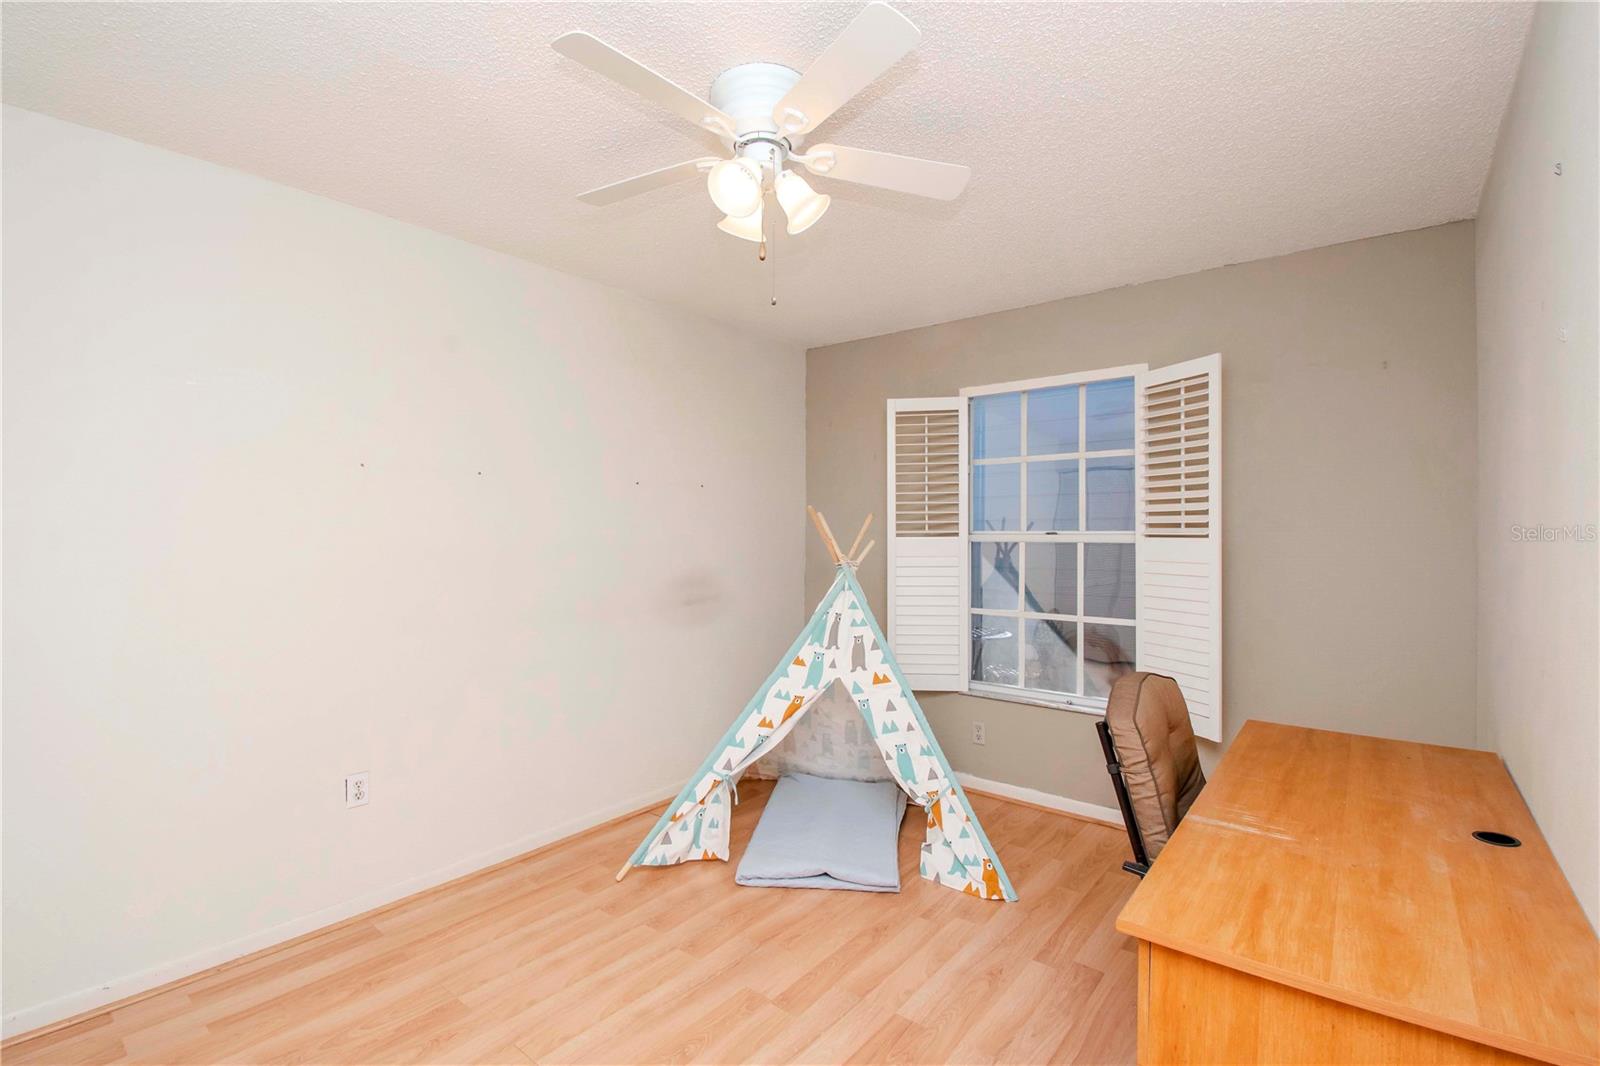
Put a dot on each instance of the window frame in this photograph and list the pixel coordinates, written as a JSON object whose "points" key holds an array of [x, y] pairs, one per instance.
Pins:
{"points": [[1090, 705]]}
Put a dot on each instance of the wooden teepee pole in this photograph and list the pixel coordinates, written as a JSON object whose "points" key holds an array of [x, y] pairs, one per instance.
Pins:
{"points": [[833, 545], [851, 554], [827, 536]]}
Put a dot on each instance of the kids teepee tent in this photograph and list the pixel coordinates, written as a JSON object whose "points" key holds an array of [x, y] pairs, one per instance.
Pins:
{"points": [[841, 645]]}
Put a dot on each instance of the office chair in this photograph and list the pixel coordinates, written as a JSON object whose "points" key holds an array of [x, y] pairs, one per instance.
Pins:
{"points": [[1152, 759]]}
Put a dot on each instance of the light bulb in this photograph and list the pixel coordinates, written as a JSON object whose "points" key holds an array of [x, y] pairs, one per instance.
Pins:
{"points": [[735, 187], [747, 228], [800, 202]]}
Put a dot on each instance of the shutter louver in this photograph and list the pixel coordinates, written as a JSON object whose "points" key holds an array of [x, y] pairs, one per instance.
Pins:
{"points": [[1180, 534], [927, 474], [927, 486], [1176, 420]]}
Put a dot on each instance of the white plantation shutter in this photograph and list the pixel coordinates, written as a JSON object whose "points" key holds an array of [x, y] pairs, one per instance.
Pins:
{"points": [[927, 536], [1179, 451]]}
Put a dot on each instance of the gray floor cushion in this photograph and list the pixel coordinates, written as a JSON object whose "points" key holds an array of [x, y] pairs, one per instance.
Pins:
{"points": [[817, 832]]}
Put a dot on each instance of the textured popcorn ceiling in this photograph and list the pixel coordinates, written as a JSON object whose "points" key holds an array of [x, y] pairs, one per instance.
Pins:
{"points": [[1110, 143]]}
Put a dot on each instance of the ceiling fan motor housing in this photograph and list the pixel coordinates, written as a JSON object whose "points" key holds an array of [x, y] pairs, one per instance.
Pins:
{"points": [[749, 92]]}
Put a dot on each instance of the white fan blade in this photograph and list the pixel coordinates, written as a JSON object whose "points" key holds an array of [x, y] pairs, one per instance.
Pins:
{"points": [[630, 73], [902, 173], [872, 43], [656, 179]]}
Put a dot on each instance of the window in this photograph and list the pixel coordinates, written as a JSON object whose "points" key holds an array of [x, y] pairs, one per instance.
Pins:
{"points": [[1047, 536], [1053, 563]]}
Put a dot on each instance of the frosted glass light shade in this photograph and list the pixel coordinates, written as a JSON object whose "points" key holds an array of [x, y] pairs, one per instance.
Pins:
{"points": [[747, 228], [800, 202], [735, 187]]}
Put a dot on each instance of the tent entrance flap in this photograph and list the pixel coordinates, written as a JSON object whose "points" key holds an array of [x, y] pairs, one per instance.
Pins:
{"points": [[841, 650]]}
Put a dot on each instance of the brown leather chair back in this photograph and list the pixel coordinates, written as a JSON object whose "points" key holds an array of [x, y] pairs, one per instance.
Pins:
{"points": [[1149, 726]]}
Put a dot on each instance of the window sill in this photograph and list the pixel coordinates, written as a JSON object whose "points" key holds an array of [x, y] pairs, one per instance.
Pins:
{"points": [[1095, 708]]}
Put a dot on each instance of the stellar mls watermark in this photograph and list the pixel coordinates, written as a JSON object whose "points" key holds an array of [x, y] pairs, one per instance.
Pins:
{"points": [[1580, 533]]}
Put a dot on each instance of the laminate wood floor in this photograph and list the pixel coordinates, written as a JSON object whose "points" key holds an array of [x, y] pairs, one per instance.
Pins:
{"points": [[546, 959]]}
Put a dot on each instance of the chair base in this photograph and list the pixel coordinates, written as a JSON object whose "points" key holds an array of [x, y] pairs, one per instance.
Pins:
{"points": [[1138, 868]]}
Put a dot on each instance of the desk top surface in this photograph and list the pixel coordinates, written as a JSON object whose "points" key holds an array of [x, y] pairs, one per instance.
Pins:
{"points": [[1345, 866]]}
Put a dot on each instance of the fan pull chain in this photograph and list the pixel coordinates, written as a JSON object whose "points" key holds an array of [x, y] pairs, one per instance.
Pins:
{"points": [[761, 251], [770, 219]]}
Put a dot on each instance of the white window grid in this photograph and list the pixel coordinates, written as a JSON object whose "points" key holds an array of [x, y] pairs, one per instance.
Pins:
{"points": [[1076, 700]]}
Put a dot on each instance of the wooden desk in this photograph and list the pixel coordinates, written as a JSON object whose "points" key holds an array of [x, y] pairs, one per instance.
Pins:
{"points": [[1324, 901]]}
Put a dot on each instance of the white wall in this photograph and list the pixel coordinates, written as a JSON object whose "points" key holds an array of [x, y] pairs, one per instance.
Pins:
{"points": [[293, 490], [1538, 419]]}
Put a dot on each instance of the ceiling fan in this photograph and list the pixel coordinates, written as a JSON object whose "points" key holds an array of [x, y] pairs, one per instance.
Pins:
{"points": [[762, 112]]}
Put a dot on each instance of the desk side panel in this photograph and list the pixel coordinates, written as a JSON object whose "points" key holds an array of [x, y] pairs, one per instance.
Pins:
{"points": [[1196, 1012]]}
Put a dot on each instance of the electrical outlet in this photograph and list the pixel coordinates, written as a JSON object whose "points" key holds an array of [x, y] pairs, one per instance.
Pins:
{"points": [[978, 736], [357, 790]]}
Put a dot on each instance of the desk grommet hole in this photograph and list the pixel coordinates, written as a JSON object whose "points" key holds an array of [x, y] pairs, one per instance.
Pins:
{"points": [[1499, 840]]}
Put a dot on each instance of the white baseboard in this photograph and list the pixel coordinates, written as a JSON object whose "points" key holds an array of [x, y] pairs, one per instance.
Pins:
{"points": [[1041, 799], [27, 1018]]}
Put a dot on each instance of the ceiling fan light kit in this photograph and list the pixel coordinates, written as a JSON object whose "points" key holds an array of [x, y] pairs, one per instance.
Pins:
{"points": [[762, 112], [746, 229], [801, 203], [736, 187]]}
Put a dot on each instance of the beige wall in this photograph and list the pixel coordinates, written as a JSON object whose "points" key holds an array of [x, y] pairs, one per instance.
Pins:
{"points": [[293, 490], [1349, 432], [1538, 417]]}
